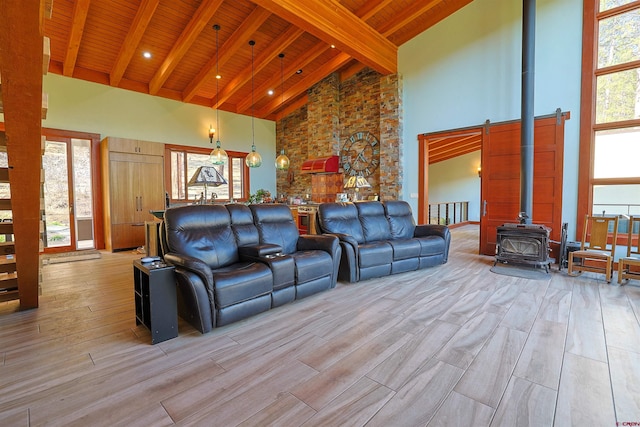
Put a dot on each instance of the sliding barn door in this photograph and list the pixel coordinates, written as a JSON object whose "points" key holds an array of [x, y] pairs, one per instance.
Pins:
{"points": [[500, 194]]}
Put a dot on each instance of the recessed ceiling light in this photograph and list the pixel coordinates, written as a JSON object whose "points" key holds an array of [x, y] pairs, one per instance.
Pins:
{"points": [[299, 72], [218, 76], [146, 54], [270, 92], [333, 46]]}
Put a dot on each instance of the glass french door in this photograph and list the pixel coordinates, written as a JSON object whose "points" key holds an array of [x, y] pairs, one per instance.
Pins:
{"points": [[68, 195]]}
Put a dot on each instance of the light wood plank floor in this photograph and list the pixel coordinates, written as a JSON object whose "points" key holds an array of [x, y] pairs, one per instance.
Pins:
{"points": [[454, 345]]}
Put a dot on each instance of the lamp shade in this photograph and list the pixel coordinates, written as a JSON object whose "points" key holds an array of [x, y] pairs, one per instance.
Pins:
{"points": [[357, 182], [207, 175]]}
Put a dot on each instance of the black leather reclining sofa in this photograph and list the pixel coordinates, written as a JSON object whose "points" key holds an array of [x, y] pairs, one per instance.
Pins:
{"points": [[235, 261], [381, 238]]}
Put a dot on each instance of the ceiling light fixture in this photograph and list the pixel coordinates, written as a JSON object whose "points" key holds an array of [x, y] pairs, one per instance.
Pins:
{"points": [[218, 156], [282, 161], [253, 160], [146, 54]]}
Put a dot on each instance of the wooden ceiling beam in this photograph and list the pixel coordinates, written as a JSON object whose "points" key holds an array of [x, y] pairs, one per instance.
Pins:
{"points": [[439, 143], [435, 159], [80, 11], [314, 76], [189, 35], [407, 15], [476, 145], [266, 56], [132, 40], [370, 8], [237, 41], [335, 24], [301, 61]]}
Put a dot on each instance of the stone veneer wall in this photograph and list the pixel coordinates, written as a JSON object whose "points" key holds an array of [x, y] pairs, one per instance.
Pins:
{"points": [[367, 101]]}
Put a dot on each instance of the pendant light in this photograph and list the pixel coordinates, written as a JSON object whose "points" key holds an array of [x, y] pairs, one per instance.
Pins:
{"points": [[218, 156], [282, 161], [253, 160]]}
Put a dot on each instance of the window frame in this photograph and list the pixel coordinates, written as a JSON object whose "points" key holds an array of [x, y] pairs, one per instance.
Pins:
{"points": [[588, 126], [169, 148]]}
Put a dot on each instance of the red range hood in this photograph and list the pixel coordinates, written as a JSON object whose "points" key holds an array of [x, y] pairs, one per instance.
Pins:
{"points": [[321, 165]]}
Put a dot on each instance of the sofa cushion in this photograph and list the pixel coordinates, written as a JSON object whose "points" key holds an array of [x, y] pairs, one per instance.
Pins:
{"points": [[376, 253], [431, 245], [242, 225], [241, 282], [203, 232], [405, 248], [340, 218], [401, 221], [276, 226], [311, 265], [375, 226]]}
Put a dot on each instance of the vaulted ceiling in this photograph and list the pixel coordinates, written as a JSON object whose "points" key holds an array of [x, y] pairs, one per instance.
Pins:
{"points": [[104, 40]]}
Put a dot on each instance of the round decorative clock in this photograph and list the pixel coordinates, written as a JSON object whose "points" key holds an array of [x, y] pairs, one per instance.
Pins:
{"points": [[360, 154]]}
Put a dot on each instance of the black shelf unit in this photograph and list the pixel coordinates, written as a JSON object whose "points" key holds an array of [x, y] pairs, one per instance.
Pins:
{"points": [[155, 299]]}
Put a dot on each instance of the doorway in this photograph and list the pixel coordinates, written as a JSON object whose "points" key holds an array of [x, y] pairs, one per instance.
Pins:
{"points": [[68, 195]]}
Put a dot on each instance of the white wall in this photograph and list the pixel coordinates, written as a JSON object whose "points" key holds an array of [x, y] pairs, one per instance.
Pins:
{"points": [[467, 69], [90, 107]]}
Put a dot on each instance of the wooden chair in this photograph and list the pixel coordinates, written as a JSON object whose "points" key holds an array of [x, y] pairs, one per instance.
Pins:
{"points": [[594, 250], [632, 259]]}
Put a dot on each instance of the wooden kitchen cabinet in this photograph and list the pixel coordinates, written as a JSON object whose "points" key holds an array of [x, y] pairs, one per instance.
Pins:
{"points": [[133, 184], [135, 146]]}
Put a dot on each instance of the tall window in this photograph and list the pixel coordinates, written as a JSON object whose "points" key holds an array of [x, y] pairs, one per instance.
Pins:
{"points": [[182, 162], [612, 139]]}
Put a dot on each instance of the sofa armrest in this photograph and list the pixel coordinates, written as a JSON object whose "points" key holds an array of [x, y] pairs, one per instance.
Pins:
{"points": [[324, 242], [258, 251], [194, 265], [442, 231]]}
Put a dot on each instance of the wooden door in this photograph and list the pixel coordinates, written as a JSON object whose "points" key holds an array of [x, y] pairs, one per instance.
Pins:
{"points": [[124, 189], [500, 194], [150, 179]]}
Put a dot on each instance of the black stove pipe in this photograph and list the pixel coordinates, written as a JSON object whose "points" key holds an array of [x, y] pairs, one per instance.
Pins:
{"points": [[527, 113]]}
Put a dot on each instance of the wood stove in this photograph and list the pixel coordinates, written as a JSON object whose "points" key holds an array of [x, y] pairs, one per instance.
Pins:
{"points": [[526, 244]]}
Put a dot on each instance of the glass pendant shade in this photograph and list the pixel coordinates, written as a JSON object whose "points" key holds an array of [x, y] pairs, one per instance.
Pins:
{"points": [[254, 159], [282, 161], [218, 156]]}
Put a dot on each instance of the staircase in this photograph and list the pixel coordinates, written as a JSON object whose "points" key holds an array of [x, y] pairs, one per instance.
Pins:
{"points": [[8, 274]]}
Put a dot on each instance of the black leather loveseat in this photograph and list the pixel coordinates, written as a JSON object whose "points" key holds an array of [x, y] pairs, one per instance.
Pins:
{"points": [[235, 261], [381, 238]]}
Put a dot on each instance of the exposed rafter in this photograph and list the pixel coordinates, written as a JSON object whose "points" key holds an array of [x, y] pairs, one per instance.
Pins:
{"points": [[138, 27], [228, 49], [193, 29], [275, 47], [370, 8], [333, 65], [408, 14], [290, 69], [335, 24], [80, 11]]}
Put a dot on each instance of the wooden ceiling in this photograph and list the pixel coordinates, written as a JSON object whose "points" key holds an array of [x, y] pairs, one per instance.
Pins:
{"points": [[104, 40], [449, 144]]}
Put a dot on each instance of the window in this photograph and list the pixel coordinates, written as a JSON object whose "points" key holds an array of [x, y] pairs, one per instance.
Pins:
{"points": [[610, 133], [182, 162]]}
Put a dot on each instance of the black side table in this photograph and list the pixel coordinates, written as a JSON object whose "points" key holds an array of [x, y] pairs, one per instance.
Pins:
{"points": [[155, 298]]}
